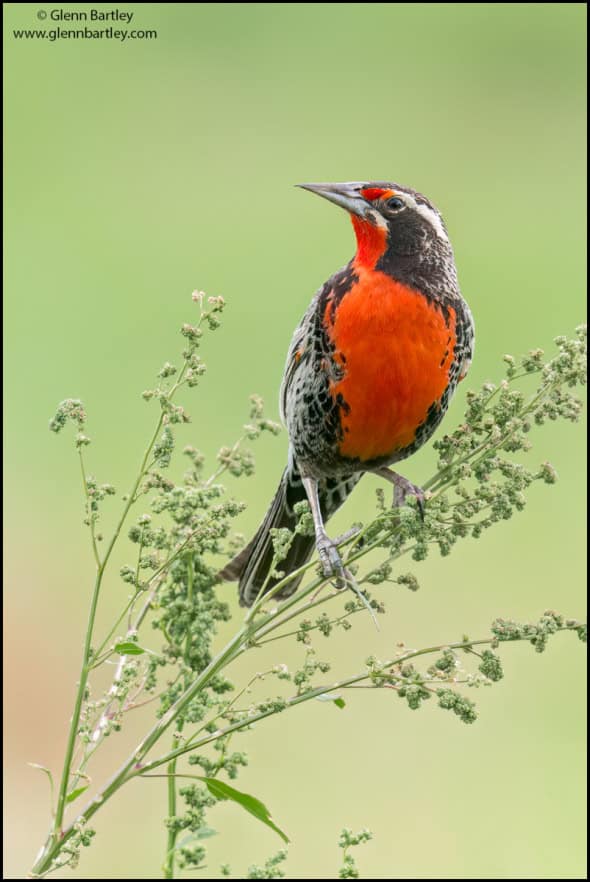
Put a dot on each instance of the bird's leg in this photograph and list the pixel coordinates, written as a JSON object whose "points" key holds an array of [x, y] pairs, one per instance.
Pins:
{"points": [[402, 488], [327, 548]]}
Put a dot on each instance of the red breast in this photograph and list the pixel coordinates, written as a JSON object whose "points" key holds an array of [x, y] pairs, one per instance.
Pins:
{"points": [[396, 350]]}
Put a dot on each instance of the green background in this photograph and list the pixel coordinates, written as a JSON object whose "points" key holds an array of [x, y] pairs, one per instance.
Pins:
{"points": [[139, 171]]}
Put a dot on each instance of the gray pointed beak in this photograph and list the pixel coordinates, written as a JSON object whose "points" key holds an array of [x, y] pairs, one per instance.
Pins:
{"points": [[345, 195]]}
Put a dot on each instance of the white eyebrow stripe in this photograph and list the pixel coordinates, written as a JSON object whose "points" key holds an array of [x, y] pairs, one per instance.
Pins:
{"points": [[429, 215]]}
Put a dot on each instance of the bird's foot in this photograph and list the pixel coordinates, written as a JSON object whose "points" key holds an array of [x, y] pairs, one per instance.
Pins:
{"points": [[332, 566], [334, 569], [402, 488]]}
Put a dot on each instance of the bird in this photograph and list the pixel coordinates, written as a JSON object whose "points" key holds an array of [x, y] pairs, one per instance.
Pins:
{"points": [[369, 374]]}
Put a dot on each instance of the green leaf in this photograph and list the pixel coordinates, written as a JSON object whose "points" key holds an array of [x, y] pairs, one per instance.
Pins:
{"points": [[221, 790], [76, 793], [49, 775], [333, 697], [201, 833], [130, 649]]}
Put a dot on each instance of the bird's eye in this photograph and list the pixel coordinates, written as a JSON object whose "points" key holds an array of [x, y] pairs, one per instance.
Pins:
{"points": [[395, 203]]}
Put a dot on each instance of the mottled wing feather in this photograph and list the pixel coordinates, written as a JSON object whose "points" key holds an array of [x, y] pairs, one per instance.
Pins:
{"points": [[294, 354]]}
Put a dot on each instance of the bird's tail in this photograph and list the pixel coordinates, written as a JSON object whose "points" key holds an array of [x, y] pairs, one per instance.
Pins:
{"points": [[251, 566]]}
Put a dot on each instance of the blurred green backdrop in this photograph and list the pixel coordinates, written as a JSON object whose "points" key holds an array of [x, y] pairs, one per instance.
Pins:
{"points": [[139, 171]]}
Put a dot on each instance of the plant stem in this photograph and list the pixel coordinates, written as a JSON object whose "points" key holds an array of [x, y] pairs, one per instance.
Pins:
{"points": [[55, 833], [172, 831], [86, 666], [71, 743], [133, 764], [89, 513], [322, 690]]}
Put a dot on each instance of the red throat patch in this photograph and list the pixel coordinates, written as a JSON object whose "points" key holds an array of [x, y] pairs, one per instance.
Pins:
{"points": [[371, 242]]}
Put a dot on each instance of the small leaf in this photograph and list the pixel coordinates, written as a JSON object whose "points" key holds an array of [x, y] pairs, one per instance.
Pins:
{"points": [[130, 649], [333, 697], [76, 793], [201, 833], [49, 775], [221, 790]]}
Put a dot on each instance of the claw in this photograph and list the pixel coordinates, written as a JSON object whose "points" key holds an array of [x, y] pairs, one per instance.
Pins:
{"points": [[402, 488], [419, 496], [420, 504]]}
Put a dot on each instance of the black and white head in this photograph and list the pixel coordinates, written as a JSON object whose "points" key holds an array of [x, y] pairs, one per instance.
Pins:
{"points": [[404, 220]]}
